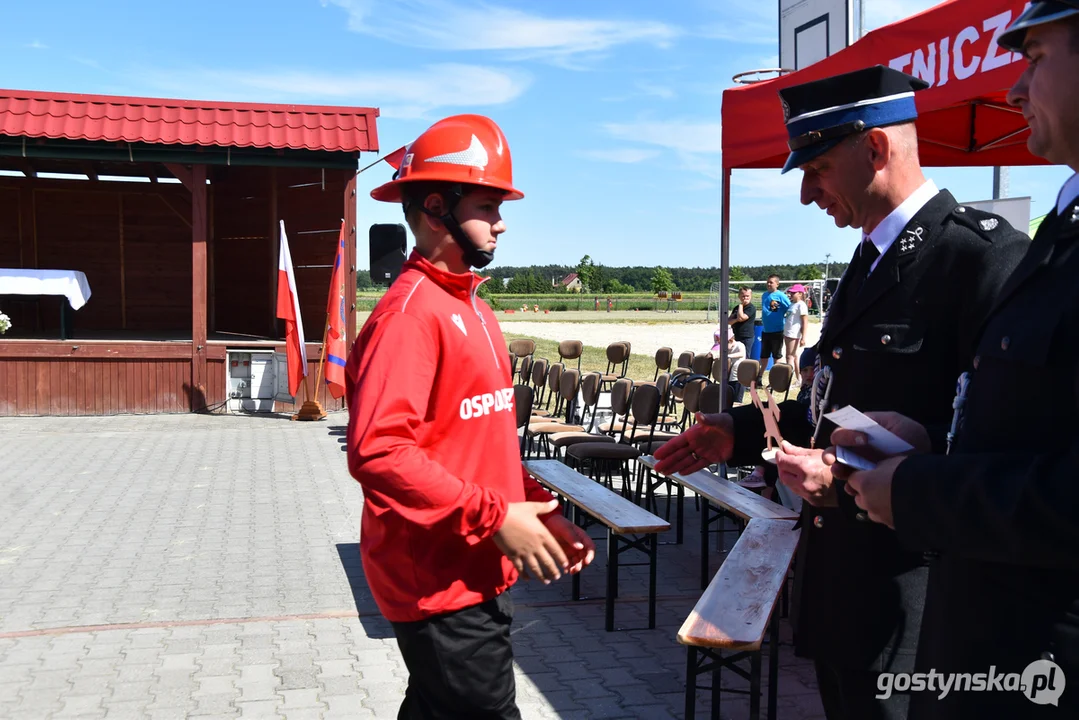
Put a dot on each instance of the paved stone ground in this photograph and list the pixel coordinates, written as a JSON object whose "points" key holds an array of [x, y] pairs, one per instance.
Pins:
{"points": [[207, 566]]}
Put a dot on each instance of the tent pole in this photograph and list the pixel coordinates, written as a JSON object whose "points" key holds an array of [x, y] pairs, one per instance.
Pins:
{"points": [[725, 282]]}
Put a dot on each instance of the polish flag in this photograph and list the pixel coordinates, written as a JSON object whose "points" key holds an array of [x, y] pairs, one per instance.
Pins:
{"points": [[288, 309]]}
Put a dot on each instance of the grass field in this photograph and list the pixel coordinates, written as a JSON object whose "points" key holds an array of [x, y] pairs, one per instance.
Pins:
{"points": [[694, 306]]}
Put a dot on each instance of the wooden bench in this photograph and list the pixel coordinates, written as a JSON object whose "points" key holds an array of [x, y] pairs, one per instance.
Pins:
{"points": [[730, 499], [734, 612], [621, 517]]}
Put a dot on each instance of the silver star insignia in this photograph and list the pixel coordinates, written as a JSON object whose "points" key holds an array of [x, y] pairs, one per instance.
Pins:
{"points": [[989, 224]]}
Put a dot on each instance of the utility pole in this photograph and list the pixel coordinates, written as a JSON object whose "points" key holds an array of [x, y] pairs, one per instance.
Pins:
{"points": [[861, 19], [827, 263], [1001, 182]]}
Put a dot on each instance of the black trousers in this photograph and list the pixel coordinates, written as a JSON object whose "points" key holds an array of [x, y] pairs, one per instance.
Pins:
{"points": [[848, 694], [460, 665]]}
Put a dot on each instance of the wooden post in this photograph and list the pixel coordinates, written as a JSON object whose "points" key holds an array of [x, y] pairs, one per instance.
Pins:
{"points": [[198, 287], [210, 251], [275, 241], [123, 268]]}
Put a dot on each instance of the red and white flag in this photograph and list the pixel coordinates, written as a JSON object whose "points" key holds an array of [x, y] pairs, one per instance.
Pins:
{"points": [[337, 319], [288, 309]]}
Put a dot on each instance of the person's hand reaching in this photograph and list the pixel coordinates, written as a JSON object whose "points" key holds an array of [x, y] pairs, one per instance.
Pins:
{"points": [[708, 442]]}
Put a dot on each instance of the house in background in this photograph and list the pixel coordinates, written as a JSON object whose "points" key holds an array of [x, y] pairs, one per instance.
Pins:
{"points": [[572, 283]]}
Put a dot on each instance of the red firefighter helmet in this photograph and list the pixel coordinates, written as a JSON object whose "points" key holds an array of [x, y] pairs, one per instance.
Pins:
{"points": [[466, 149]]}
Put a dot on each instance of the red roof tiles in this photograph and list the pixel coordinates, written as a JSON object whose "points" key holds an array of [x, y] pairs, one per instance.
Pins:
{"points": [[187, 122]]}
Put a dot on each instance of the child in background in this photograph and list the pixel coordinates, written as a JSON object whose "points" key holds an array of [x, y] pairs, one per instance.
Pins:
{"points": [[807, 370], [795, 324]]}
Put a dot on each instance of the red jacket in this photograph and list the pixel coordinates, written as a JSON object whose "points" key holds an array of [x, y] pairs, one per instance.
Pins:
{"points": [[432, 438]]}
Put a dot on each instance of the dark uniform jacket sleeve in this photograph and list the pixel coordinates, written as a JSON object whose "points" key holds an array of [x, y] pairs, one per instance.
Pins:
{"points": [[1017, 508], [1010, 491]]}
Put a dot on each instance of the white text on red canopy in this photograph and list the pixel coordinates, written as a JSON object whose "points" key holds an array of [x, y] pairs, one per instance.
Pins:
{"points": [[961, 56]]}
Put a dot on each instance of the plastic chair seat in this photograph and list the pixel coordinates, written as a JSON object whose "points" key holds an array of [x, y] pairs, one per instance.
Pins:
{"points": [[603, 451]]}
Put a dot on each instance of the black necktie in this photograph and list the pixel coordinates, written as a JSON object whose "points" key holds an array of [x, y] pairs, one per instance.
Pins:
{"points": [[867, 254]]}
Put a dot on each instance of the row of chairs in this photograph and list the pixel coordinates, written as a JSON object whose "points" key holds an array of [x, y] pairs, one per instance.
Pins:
{"points": [[522, 352]]}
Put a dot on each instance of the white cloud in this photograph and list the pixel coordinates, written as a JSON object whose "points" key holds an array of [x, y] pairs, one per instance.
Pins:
{"points": [[37, 45], [747, 23], [661, 91], [397, 93], [766, 185], [691, 137], [620, 155], [883, 12], [697, 145], [477, 25]]}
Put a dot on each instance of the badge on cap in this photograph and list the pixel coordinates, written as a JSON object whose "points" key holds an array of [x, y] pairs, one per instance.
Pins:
{"points": [[911, 239], [989, 224]]}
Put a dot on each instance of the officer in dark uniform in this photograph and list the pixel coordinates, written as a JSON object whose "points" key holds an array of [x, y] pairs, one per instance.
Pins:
{"points": [[1002, 508], [900, 328]]}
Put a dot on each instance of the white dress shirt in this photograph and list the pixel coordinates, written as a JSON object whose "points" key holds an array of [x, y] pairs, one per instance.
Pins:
{"points": [[1068, 193], [887, 232]]}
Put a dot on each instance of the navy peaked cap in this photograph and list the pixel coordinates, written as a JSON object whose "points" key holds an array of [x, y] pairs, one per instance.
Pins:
{"points": [[820, 113], [1039, 13]]}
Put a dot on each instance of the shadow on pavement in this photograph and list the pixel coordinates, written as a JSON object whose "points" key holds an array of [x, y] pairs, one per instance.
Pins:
{"points": [[373, 623]]}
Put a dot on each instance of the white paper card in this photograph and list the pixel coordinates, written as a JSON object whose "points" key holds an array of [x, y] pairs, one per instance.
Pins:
{"points": [[884, 441], [848, 458]]}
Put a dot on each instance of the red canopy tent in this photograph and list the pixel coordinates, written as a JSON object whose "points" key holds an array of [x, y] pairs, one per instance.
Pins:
{"points": [[964, 118]]}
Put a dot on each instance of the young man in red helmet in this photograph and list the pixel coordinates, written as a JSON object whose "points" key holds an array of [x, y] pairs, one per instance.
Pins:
{"points": [[450, 516]]}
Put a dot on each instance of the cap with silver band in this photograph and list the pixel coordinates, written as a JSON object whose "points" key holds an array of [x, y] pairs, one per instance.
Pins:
{"points": [[819, 114], [1040, 12]]}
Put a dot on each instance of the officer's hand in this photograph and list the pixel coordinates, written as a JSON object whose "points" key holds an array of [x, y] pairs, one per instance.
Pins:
{"points": [[807, 473], [708, 442], [910, 430], [527, 542], [872, 490], [579, 548]]}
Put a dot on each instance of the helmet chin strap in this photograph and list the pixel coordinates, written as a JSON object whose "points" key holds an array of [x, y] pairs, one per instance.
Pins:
{"points": [[472, 255]]}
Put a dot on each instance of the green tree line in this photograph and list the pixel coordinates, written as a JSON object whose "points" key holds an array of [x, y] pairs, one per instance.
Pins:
{"points": [[598, 278]]}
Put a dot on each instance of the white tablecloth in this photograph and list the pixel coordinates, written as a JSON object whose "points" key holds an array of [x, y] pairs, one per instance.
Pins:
{"points": [[72, 283]]}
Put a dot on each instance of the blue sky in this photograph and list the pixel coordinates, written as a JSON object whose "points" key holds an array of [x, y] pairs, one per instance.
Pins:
{"points": [[612, 109]]}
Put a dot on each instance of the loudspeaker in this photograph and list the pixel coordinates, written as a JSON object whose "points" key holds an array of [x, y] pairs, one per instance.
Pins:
{"points": [[388, 243]]}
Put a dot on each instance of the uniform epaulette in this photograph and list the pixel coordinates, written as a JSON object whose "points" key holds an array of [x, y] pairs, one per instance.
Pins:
{"points": [[985, 224]]}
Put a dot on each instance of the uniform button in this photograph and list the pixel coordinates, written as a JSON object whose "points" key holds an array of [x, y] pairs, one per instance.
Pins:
{"points": [[837, 353], [818, 522], [960, 209], [885, 339], [1005, 342], [977, 361]]}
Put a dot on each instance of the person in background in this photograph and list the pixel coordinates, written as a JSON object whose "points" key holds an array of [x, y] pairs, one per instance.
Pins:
{"points": [[795, 324], [736, 353], [807, 371], [743, 318], [774, 306]]}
